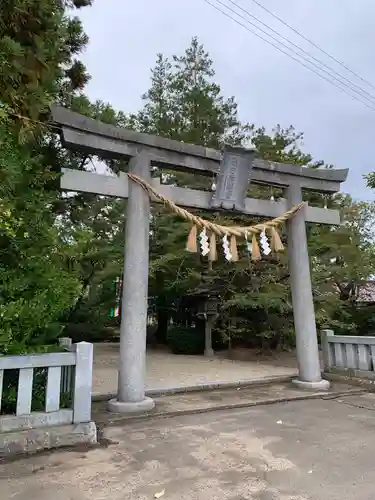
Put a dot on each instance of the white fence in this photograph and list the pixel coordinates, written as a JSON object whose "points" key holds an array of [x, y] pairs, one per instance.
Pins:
{"points": [[348, 353], [67, 373]]}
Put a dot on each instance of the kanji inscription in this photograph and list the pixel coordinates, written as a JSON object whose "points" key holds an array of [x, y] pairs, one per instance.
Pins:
{"points": [[233, 179]]}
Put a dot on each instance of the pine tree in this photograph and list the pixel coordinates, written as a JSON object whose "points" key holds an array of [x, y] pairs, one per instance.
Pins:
{"points": [[184, 103], [38, 45]]}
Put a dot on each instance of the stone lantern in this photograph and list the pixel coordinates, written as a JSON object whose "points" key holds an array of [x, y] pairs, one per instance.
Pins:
{"points": [[204, 304]]}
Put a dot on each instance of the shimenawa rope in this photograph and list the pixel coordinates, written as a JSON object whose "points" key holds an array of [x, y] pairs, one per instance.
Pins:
{"points": [[230, 248]]}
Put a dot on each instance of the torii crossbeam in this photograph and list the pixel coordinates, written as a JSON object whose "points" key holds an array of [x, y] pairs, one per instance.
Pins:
{"points": [[143, 151]]}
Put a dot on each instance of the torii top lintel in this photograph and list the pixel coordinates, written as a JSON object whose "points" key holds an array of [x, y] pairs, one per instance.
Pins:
{"points": [[86, 134]]}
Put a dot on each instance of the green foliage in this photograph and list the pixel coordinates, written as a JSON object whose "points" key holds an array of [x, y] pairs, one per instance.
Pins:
{"points": [[365, 319], [34, 286], [184, 103], [186, 340], [38, 43], [370, 180], [89, 331], [94, 228]]}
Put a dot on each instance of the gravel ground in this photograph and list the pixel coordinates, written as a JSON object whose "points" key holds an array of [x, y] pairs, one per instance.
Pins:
{"points": [[166, 370]]}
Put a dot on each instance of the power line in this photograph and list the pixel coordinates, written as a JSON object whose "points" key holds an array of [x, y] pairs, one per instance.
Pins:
{"points": [[314, 44], [280, 49], [292, 50], [350, 84]]}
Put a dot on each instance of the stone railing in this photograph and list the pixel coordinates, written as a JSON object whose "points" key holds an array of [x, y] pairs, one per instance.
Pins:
{"points": [[66, 418], [350, 354]]}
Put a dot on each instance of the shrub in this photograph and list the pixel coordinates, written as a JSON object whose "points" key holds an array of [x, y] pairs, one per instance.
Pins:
{"points": [[186, 340], [91, 332]]}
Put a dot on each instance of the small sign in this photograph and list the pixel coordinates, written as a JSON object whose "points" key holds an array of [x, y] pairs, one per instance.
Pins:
{"points": [[233, 179]]}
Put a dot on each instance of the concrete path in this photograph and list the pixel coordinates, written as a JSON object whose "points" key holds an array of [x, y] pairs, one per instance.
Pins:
{"points": [[306, 450], [166, 370], [220, 399]]}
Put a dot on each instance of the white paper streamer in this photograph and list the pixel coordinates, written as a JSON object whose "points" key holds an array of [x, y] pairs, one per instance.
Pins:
{"points": [[227, 252], [205, 247], [266, 249]]}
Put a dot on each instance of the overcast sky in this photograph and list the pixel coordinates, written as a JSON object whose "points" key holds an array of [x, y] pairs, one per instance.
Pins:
{"points": [[270, 88]]}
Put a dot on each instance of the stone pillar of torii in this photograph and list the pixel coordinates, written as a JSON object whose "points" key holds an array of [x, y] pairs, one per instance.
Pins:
{"points": [[234, 172]]}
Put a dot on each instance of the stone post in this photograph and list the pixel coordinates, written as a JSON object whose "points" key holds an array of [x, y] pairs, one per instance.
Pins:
{"points": [[65, 343], [83, 383], [132, 371], [309, 373], [326, 350], [208, 351]]}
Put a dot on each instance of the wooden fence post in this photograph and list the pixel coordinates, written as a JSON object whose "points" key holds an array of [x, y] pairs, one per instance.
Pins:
{"points": [[83, 383]]}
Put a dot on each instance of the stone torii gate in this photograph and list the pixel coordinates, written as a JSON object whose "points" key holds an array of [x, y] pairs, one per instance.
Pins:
{"points": [[143, 151]]}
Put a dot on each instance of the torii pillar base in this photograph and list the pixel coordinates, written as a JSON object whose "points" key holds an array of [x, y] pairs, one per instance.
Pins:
{"points": [[143, 406], [321, 385]]}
